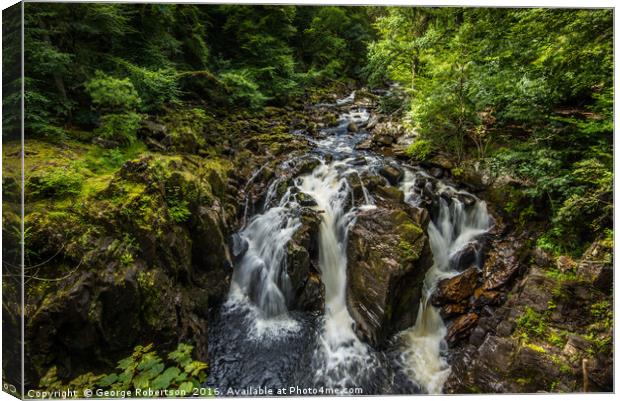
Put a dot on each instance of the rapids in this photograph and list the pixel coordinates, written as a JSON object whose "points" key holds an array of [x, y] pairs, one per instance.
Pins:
{"points": [[257, 340]]}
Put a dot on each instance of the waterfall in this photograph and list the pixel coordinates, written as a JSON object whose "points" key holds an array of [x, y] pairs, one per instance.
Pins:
{"points": [[340, 355], [456, 226], [260, 281], [261, 341]]}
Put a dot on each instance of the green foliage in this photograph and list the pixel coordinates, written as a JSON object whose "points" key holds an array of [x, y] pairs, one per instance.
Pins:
{"points": [[538, 81], [109, 93], [178, 210], [241, 89], [603, 312], [420, 149], [172, 53], [121, 127], [117, 99], [142, 370]]}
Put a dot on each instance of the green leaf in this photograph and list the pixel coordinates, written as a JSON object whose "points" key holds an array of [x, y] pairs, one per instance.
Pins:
{"points": [[187, 387], [163, 381], [108, 380]]}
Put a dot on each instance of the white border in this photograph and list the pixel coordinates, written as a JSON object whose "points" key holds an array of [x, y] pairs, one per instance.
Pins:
{"points": [[479, 3]]}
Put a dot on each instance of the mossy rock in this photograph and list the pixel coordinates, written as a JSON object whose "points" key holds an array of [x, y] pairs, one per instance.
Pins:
{"points": [[390, 254]]}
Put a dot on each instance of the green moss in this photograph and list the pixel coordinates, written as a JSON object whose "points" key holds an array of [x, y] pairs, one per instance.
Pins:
{"points": [[411, 232], [556, 338], [531, 324], [278, 137], [563, 366], [523, 381], [535, 347], [408, 252], [419, 150]]}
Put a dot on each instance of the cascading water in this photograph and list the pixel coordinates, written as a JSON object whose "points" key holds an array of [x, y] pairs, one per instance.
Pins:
{"points": [[263, 343], [341, 358], [423, 344]]}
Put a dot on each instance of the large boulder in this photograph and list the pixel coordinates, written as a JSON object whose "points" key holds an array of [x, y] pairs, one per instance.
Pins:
{"points": [[388, 256], [302, 263]]}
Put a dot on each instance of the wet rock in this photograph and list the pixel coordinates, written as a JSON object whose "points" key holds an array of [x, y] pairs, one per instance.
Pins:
{"points": [[419, 215], [352, 127], [371, 182], [383, 140], [387, 258], [239, 246], [305, 200], [302, 259], [390, 192], [465, 257], [451, 310], [392, 173], [457, 288], [372, 122], [306, 166], [502, 263], [460, 327], [436, 172], [364, 145], [485, 297], [467, 199]]}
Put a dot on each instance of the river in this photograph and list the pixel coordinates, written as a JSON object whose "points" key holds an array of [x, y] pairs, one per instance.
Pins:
{"points": [[258, 341]]}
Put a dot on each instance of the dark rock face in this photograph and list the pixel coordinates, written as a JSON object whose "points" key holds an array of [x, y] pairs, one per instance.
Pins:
{"points": [[302, 263], [459, 328], [465, 257], [597, 267], [503, 262], [393, 174], [502, 353], [388, 256], [152, 282]]}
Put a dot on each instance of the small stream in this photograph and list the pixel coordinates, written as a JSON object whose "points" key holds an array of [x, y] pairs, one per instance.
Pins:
{"points": [[258, 341]]}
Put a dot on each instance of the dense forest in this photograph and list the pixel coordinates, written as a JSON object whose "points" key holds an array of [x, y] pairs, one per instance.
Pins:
{"points": [[143, 101]]}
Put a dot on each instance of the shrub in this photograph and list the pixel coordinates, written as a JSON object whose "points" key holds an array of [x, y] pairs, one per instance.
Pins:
{"points": [[121, 127], [112, 94], [420, 149], [117, 100], [242, 89]]}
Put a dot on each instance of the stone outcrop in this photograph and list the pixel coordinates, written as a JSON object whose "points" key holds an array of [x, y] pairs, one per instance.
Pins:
{"points": [[141, 261], [388, 256], [553, 334], [302, 263]]}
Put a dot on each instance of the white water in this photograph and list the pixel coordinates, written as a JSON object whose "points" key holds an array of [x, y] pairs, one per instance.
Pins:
{"points": [[424, 346], [260, 281], [340, 352]]}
